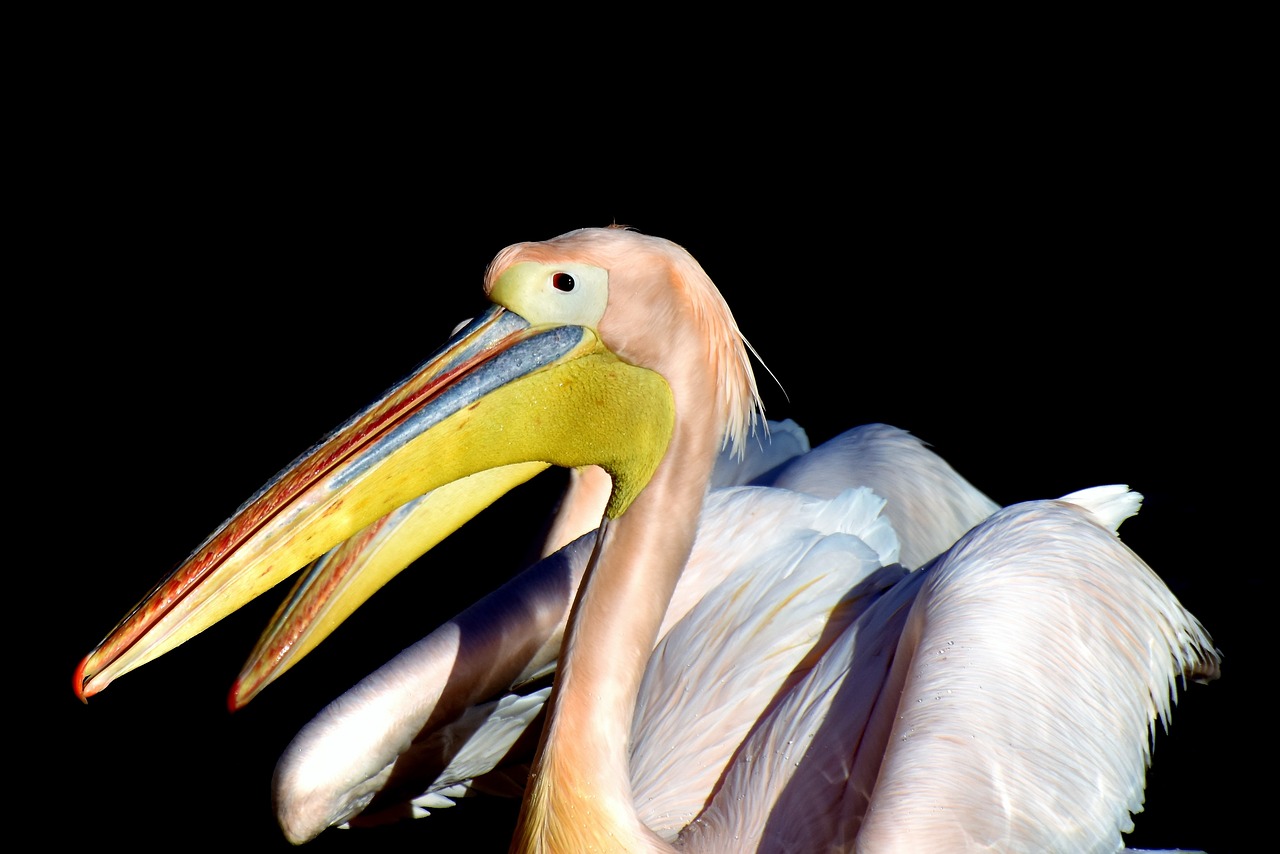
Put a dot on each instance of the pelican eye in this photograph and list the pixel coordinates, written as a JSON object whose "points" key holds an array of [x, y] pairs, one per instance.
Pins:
{"points": [[569, 292]]}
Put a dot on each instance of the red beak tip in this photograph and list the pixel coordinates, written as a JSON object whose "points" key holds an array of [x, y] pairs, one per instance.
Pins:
{"points": [[234, 703], [78, 682]]}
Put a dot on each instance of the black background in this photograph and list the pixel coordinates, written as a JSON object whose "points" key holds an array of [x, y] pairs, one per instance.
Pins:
{"points": [[1045, 279]]}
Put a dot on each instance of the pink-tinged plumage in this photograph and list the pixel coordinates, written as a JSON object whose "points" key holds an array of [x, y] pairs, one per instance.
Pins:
{"points": [[1047, 705], [579, 796], [773, 667], [1001, 699]]}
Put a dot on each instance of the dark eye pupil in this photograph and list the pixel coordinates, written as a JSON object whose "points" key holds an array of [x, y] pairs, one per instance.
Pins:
{"points": [[563, 282]]}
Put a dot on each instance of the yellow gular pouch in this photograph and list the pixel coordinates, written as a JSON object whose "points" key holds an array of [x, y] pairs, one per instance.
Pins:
{"points": [[588, 408]]}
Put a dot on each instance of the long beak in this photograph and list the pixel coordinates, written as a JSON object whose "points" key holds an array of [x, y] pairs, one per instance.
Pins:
{"points": [[498, 403], [333, 587]]}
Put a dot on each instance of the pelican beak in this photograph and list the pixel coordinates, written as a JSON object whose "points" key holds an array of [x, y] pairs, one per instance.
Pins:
{"points": [[498, 403], [330, 589]]}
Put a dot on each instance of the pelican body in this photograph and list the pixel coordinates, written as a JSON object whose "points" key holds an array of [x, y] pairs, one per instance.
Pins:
{"points": [[810, 655]]}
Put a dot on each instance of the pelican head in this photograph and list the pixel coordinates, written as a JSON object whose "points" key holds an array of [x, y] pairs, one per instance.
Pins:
{"points": [[543, 377]]}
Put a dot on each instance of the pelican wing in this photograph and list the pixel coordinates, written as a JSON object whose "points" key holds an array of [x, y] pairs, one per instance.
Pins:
{"points": [[785, 783], [929, 503], [737, 652], [1005, 695]]}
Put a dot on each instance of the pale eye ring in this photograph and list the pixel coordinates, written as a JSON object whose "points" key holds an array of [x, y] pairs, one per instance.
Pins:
{"points": [[563, 282]]}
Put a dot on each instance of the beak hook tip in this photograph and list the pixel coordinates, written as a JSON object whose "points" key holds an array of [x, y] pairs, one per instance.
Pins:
{"points": [[78, 682]]}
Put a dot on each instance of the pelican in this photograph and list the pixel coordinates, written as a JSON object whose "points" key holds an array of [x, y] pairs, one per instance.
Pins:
{"points": [[1000, 696]]}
